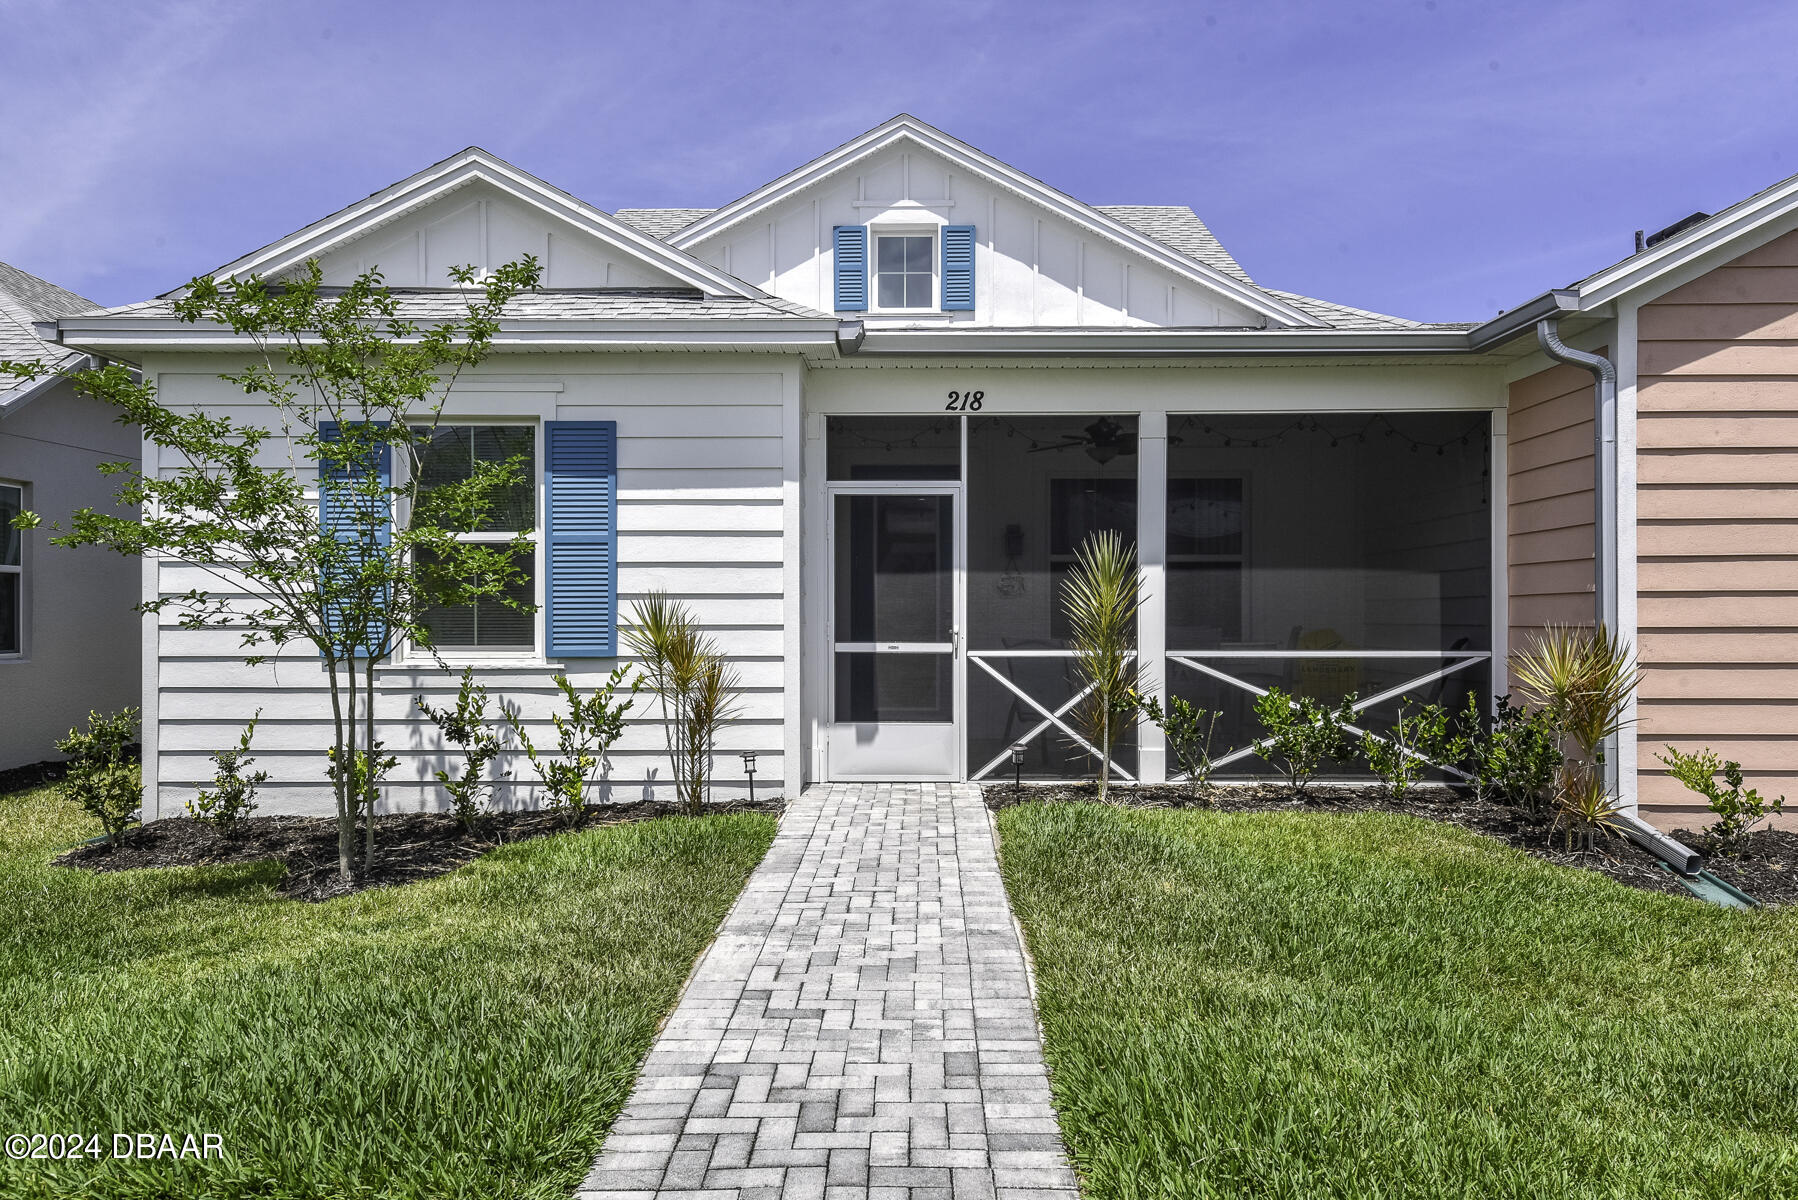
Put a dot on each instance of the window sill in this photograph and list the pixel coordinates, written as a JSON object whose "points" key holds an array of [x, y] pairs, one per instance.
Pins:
{"points": [[528, 661]]}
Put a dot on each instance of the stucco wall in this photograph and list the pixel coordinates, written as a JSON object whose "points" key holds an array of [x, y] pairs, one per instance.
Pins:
{"points": [[1717, 524], [1550, 500], [703, 478], [82, 641]]}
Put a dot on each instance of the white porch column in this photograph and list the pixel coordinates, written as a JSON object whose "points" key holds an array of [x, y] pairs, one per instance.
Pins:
{"points": [[1151, 621]]}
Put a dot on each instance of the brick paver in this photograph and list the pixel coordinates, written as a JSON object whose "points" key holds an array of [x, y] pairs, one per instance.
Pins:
{"points": [[862, 1027]]}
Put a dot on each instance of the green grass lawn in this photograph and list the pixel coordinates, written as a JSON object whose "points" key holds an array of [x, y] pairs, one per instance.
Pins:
{"points": [[1313, 1005], [469, 1036]]}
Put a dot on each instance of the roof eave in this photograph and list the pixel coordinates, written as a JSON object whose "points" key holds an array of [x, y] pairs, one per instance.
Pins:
{"points": [[1166, 343]]}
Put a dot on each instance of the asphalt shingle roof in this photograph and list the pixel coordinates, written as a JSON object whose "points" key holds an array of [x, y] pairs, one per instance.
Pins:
{"points": [[24, 299], [661, 223]]}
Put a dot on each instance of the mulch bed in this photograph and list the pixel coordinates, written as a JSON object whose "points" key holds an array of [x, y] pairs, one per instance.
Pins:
{"points": [[1767, 868], [408, 846]]}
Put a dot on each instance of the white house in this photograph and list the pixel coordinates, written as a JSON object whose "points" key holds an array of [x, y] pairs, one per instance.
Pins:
{"points": [[860, 418], [68, 639]]}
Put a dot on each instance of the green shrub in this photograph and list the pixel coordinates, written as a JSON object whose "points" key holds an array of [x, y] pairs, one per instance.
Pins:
{"points": [[467, 726], [234, 788], [1417, 741], [1516, 759], [1737, 809], [584, 736], [1585, 679], [102, 778], [696, 685], [1188, 731], [1300, 733]]}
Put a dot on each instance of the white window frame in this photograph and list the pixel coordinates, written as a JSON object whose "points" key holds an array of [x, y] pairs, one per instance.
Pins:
{"points": [[932, 232], [19, 572], [477, 655]]}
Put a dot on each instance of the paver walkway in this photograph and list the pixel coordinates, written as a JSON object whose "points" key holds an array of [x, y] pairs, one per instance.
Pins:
{"points": [[862, 1027]]}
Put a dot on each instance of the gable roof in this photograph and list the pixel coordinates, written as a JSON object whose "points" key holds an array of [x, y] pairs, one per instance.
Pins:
{"points": [[907, 128], [456, 171], [1175, 226], [24, 300]]}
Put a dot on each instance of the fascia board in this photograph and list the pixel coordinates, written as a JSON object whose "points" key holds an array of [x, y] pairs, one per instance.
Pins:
{"points": [[1023, 186], [151, 336], [1643, 270], [1113, 343], [436, 182]]}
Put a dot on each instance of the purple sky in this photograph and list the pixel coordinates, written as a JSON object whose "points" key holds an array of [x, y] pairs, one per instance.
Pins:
{"points": [[1432, 159]]}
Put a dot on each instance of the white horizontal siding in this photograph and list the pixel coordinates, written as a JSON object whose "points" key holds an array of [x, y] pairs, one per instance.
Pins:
{"points": [[700, 515]]}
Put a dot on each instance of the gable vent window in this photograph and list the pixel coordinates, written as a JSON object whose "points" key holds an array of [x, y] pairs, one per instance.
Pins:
{"points": [[904, 275]]}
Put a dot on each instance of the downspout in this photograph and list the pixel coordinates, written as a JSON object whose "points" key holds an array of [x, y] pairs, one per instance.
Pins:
{"points": [[1604, 487]]}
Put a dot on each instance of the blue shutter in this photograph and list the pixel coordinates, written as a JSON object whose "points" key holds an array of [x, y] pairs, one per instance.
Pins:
{"points": [[336, 514], [851, 249], [581, 607], [958, 268]]}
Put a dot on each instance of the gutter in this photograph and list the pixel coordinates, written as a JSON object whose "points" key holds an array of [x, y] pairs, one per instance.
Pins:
{"points": [[1161, 343], [1604, 505]]}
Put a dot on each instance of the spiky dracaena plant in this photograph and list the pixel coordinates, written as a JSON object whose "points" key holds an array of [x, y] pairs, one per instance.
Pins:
{"points": [[1101, 596], [1584, 678], [696, 686]]}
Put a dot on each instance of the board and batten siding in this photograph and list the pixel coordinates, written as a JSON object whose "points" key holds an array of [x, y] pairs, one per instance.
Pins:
{"points": [[700, 514], [1717, 525], [1549, 493]]}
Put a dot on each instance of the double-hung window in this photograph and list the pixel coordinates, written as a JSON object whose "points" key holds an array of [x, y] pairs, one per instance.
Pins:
{"points": [[904, 270], [12, 572], [449, 454]]}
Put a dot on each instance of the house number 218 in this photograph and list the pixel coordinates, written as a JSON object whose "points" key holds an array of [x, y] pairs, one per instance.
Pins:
{"points": [[964, 401]]}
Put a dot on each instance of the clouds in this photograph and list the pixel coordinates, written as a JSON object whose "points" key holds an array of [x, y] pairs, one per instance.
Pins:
{"points": [[1437, 160]]}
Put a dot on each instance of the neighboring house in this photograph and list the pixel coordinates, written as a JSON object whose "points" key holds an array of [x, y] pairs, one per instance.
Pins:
{"points": [[69, 640], [861, 418]]}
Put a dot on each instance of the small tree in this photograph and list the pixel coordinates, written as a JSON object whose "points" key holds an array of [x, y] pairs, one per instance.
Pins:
{"points": [[324, 551], [102, 778], [584, 737], [1101, 596], [1300, 734], [233, 794], [696, 686], [1188, 731], [1737, 809]]}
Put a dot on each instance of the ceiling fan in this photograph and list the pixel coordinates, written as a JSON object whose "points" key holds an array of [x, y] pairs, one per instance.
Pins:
{"points": [[1103, 441]]}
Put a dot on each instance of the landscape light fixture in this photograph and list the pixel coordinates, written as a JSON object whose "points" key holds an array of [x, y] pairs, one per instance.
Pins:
{"points": [[1017, 766], [749, 770]]}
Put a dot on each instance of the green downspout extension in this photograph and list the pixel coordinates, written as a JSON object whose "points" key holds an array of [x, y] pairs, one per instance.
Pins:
{"points": [[1709, 886]]}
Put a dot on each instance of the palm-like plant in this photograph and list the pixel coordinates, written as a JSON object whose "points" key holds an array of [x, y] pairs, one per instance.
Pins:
{"points": [[1101, 596], [697, 688], [1584, 678]]}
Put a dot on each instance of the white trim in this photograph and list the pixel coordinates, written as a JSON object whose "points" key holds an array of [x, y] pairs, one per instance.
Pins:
{"points": [[471, 165], [1499, 440], [792, 451], [19, 571], [1151, 551], [150, 701], [905, 229], [1625, 355], [905, 128]]}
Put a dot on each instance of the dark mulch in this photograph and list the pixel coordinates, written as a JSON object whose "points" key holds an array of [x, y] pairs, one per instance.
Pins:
{"points": [[1771, 854], [1766, 867], [408, 846]]}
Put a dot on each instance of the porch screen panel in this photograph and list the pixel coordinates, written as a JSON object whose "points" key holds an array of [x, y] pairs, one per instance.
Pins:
{"points": [[1037, 486], [1352, 532]]}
